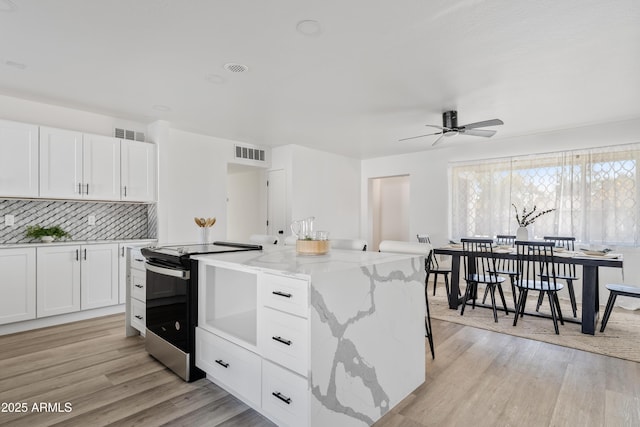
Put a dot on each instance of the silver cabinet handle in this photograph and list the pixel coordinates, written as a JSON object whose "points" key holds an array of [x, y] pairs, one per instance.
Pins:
{"points": [[122, 250], [125, 191], [85, 254], [87, 189], [77, 254], [79, 188]]}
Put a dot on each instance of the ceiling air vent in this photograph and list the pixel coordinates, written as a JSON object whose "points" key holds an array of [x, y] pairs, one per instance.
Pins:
{"points": [[128, 134], [249, 153], [235, 68]]}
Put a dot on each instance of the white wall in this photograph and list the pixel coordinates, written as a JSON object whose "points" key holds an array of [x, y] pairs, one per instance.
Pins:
{"points": [[322, 185], [429, 192], [246, 204]]}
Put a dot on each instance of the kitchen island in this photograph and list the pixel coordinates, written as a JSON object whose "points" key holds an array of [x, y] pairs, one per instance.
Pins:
{"points": [[335, 339]]}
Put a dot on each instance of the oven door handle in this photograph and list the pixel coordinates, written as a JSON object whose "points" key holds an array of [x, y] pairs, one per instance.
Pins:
{"points": [[181, 274]]}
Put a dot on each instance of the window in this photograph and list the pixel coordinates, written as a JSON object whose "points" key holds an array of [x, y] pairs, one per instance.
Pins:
{"points": [[594, 192]]}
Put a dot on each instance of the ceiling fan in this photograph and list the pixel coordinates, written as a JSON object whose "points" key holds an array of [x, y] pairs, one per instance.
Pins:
{"points": [[450, 128]]}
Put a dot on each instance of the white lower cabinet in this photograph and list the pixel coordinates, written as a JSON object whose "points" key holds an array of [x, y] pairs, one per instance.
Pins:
{"points": [[137, 283], [234, 367], [285, 395], [58, 289], [99, 276], [75, 277], [17, 285]]}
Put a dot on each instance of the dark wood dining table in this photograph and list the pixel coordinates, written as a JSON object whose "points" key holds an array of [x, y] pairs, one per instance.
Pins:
{"points": [[590, 279]]}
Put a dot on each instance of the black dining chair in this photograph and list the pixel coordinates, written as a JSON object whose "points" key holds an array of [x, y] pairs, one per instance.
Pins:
{"points": [[566, 272], [436, 268], [614, 291], [536, 272], [504, 266], [480, 267]]}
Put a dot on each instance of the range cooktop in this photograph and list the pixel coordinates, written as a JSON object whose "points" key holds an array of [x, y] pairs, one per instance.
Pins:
{"points": [[180, 253]]}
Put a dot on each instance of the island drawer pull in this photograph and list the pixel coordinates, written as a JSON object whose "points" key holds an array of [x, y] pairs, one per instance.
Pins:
{"points": [[282, 340], [282, 397], [139, 286], [138, 317], [222, 363], [282, 294]]}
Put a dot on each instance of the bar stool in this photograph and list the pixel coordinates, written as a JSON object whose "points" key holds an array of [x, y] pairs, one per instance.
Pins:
{"points": [[614, 291], [436, 268]]}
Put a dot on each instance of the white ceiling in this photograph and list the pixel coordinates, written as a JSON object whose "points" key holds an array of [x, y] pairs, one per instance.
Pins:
{"points": [[378, 71]]}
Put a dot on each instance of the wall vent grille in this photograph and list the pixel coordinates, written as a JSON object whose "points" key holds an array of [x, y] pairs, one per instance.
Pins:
{"points": [[249, 153], [128, 134]]}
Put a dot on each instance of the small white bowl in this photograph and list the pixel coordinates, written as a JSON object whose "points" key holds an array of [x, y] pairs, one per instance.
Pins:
{"points": [[46, 239]]}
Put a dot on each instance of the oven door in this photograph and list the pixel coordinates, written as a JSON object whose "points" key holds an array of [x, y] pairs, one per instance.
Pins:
{"points": [[167, 303]]}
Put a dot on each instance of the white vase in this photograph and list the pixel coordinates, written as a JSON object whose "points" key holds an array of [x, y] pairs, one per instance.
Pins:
{"points": [[522, 234], [204, 235]]}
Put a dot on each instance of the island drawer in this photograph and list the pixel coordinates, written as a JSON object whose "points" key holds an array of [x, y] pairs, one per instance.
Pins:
{"points": [[285, 395], [285, 340], [232, 366], [138, 282], [286, 294], [138, 310]]}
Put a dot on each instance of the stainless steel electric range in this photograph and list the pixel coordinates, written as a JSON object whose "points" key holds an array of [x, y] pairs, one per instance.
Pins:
{"points": [[172, 302]]}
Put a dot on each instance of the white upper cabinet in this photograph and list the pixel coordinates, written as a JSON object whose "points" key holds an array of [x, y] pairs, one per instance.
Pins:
{"points": [[18, 159], [101, 167], [60, 163], [138, 171], [77, 166]]}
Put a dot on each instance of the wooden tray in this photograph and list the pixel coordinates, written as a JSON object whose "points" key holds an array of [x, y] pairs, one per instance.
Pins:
{"points": [[312, 247]]}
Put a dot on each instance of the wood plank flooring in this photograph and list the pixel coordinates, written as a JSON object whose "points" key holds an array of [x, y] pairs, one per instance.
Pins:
{"points": [[478, 378]]}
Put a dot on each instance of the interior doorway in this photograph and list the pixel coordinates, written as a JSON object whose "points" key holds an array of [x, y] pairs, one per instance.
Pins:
{"points": [[276, 204], [388, 209], [246, 201]]}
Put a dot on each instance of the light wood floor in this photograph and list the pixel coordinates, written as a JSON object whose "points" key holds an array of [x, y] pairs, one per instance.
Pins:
{"points": [[479, 378]]}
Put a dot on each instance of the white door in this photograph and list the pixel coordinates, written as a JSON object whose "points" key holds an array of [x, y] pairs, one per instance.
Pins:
{"points": [[101, 167], [18, 159], [60, 163], [17, 285], [389, 208], [58, 272], [276, 204], [99, 276], [138, 171]]}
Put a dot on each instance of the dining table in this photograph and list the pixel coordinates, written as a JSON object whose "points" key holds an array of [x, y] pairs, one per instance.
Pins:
{"points": [[590, 277]]}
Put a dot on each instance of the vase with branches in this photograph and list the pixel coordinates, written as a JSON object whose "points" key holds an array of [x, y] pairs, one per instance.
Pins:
{"points": [[526, 218]]}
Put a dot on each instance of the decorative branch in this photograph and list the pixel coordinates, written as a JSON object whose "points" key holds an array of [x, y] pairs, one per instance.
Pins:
{"points": [[529, 218]]}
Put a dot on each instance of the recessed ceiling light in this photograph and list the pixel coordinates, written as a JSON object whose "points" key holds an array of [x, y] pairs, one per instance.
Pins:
{"points": [[162, 108], [235, 68], [214, 78], [14, 64], [7, 6], [309, 28]]}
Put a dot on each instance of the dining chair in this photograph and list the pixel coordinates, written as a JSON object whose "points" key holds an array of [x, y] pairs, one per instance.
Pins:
{"points": [[400, 247], [504, 266], [437, 269], [566, 272], [536, 272], [349, 244], [264, 238], [480, 267], [614, 291]]}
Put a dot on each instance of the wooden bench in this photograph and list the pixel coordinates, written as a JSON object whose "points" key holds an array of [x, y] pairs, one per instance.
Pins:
{"points": [[614, 291]]}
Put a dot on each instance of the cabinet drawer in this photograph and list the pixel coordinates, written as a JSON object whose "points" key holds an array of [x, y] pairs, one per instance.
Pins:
{"points": [[136, 260], [138, 309], [285, 340], [286, 294], [138, 289], [285, 396], [233, 366]]}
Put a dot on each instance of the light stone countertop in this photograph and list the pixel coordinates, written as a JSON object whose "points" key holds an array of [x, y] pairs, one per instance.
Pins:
{"points": [[74, 242]]}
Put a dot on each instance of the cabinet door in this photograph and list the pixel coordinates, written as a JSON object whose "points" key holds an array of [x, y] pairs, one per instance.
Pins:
{"points": [[101, 167], [60, 163], [19, 159], [122, 273], [58, 287], [138, 171], [17, 284], [99, 276]]}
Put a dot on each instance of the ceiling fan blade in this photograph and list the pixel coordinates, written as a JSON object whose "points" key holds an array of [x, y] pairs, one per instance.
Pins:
{"points": [[438, 141], [478, 132], [420, 136], [492, 122], [438, 127]]}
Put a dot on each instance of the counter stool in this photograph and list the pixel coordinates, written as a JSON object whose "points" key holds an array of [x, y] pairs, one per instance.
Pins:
{"points": [[436, 269], [614, 291]]}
